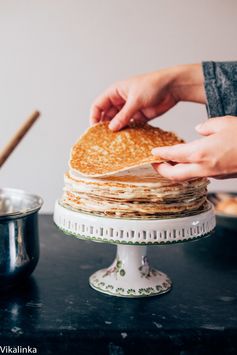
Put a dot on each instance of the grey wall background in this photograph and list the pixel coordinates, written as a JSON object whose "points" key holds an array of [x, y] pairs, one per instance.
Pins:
{"points": [[58, 55]]}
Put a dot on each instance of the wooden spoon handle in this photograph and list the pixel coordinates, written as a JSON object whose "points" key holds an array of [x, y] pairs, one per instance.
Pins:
{"points": [[15, 140]]}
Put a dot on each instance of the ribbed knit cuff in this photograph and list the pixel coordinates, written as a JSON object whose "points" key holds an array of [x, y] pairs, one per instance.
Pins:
{"points": [[221, 88], [214, 100]]}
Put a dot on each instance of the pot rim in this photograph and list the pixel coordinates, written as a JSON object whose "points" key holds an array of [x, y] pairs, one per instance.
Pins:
{"points": [[8, 192]]}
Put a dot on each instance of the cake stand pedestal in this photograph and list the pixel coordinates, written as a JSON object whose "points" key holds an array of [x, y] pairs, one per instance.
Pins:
{"points": [[131, 275]]}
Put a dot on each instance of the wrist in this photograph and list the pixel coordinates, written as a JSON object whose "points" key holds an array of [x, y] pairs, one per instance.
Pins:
{"points": [[188, 83]]}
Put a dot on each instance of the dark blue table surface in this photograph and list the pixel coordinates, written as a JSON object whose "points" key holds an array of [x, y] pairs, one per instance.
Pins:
{"points": [[56, 311]]}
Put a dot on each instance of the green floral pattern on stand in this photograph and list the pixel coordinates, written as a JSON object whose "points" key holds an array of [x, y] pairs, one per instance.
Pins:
{"points": [[131, 292], [116, 270]]}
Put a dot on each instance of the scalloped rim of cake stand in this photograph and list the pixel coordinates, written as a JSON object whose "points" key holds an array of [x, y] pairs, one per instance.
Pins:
{"points": [[134, 231]]}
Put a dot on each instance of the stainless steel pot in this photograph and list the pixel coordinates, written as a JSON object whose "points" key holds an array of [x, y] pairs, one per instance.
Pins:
{"points": [[19, 240]]}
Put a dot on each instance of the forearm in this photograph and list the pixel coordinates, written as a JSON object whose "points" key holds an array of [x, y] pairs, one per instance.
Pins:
{"points": [[188, 83]]}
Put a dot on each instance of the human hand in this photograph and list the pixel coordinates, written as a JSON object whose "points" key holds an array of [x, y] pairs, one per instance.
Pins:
{"points": [[145, 97], [214, 155]]}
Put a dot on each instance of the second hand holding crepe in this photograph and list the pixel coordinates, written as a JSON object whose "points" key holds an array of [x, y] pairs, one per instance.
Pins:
{"points": [[100, 152]]}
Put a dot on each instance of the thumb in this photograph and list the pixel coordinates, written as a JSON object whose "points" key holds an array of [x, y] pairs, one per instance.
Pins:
{"points": [[123, 116], [213, 125]]}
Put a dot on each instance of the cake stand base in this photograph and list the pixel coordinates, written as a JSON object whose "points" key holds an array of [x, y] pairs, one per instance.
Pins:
{"points": [[130, 275]]}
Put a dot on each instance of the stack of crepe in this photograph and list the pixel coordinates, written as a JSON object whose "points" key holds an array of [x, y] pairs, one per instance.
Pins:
{"points": [[110, 175]]}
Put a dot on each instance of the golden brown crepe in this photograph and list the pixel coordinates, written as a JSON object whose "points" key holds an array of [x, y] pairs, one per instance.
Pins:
{"points": [[101, 152]]}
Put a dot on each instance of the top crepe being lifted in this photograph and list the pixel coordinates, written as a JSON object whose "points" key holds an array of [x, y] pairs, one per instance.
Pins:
{"points": [[100, 151]]}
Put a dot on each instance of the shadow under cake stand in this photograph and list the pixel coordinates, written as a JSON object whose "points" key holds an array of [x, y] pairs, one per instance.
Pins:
{"points": [[131, 275]]}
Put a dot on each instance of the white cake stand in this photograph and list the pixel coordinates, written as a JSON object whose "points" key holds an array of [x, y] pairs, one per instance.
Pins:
{"points": [[130, 275]]}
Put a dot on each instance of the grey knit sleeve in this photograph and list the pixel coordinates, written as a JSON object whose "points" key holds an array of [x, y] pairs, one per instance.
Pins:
{"points": [[221, 88]]}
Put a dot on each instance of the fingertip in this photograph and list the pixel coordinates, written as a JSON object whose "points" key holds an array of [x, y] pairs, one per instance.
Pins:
{"points": [[118, 122], [169, 171], [212, 125], [114, 125], [199, 127], [202, 129], [162, 152], [92, 121], [156, 151]]}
